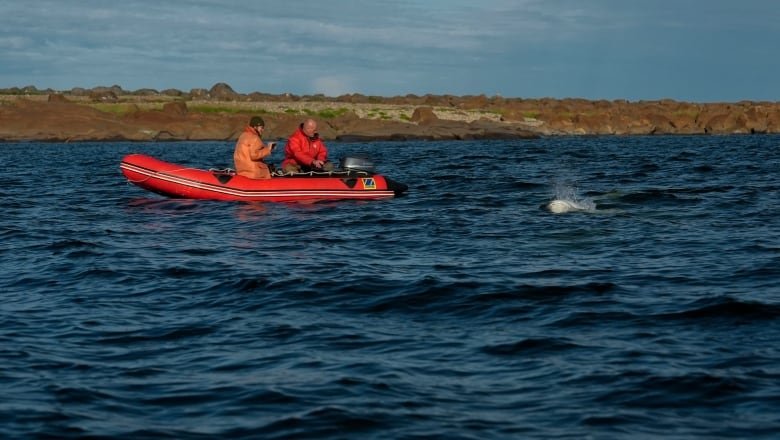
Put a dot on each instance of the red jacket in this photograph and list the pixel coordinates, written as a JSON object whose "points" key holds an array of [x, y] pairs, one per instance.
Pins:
{"points": [[303, 150]]}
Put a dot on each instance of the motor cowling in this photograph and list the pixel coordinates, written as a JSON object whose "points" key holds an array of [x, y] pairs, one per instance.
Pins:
{"points": [[355, 163]]}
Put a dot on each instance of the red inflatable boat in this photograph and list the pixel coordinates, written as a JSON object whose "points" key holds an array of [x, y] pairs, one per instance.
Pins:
{"points": [[356, 180]]}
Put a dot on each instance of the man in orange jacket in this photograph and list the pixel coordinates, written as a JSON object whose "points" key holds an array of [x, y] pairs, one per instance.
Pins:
{"points": [[305, 151], [250, 151]]}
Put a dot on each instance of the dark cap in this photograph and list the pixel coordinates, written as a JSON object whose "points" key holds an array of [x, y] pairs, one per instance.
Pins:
{"points": [[255, 121]]}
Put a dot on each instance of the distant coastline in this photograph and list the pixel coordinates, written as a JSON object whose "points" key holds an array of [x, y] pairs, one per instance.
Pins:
{"points": [[219, 113]]}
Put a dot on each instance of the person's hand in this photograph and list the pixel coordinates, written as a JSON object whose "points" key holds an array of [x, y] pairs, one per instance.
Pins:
{"points": [[317, 163]]}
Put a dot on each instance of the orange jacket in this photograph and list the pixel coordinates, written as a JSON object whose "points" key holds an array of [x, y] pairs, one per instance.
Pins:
{"points": [[249, 155], [303, 150]]}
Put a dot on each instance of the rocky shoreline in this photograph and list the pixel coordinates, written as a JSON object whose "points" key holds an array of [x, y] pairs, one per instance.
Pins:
{"points": [[111, 113]]}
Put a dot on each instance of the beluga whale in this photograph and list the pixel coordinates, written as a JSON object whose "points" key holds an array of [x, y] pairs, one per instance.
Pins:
{"points": [[560, 206]]}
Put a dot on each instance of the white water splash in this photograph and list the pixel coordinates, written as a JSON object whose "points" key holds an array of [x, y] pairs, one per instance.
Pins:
{"points": [[566, 199]]}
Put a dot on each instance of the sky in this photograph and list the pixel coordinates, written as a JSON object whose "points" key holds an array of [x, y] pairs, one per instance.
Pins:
{"points": [[687, 50]]}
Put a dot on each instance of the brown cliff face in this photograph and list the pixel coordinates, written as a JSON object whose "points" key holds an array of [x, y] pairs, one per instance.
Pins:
{"points": [[424, 116], [646, 118], [110, 113], [59, 119]]}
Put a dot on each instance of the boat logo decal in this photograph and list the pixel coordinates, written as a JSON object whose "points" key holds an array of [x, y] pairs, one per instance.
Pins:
{"points": [[368, 183]]}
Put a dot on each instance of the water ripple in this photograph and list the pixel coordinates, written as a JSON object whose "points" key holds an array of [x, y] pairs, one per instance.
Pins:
{"points": [[463, 310]]}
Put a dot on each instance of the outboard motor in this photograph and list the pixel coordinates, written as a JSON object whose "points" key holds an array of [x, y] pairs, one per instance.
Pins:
{"points": [[357, 164]]}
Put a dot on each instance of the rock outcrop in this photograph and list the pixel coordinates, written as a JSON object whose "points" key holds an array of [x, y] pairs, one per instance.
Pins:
{"points": [[58, 119], [220, 113], [424, 116], [223, 92]]}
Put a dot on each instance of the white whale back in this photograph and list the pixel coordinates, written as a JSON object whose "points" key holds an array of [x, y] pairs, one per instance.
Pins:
{"points": [[560, 206]]}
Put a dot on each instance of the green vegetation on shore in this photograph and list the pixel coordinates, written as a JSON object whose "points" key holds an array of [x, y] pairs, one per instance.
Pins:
{"points": [[327, 113], [221, 109]]}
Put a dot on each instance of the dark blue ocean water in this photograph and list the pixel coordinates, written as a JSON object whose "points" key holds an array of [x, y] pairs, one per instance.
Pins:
{"points": [[464, 310]]}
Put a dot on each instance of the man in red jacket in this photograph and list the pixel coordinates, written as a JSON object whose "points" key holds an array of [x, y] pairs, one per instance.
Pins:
{"points": [[305, 151]]}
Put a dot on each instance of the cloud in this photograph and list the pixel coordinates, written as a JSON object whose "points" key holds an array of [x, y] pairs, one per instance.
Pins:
{"points": [[510, 47], [14, 43]]}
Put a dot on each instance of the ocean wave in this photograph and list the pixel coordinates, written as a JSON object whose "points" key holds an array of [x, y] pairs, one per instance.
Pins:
{"points": [[531, 346], [458, 311], [727, 308]]}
